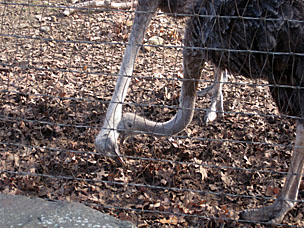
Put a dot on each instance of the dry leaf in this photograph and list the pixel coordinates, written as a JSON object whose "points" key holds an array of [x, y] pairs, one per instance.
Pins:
{"points": [[203, 172], [129, 23], [173, 220]]}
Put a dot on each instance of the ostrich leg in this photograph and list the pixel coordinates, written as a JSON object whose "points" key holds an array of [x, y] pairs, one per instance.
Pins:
{"points": [[216, 107], [106, 140], [286, 201], [132, 124]]}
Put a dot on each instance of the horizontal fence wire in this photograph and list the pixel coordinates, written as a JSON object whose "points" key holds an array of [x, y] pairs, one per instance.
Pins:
{"points": [[161, 188], [29, 67], [157, 187], [149, 159], [12, 119], [145, 12], [142, 185], [11, 67], [150, 45], [173, 107]]}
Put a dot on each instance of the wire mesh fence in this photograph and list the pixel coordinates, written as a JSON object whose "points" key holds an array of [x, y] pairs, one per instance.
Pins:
{"points": [[58, 74]]}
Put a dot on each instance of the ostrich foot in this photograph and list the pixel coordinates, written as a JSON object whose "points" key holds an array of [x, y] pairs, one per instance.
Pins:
{"points": [[216, 110], [106, 144], [210, 116], [274, 213]]}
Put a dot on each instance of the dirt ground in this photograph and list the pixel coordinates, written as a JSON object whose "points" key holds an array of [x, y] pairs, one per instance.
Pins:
{"points": [[57, 76]]}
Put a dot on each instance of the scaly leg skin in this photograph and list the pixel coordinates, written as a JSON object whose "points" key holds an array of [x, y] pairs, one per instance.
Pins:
{"points": [[286, 201], [216, 107]]}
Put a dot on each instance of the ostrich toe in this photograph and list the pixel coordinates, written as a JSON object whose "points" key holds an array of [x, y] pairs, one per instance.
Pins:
{"points": [[274, 213]]}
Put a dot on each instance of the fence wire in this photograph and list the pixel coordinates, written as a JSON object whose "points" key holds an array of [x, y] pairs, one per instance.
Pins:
{"points": [[57, 77]]}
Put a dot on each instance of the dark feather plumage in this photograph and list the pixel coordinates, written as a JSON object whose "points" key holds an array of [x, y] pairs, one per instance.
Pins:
{"points": [[260, 38]]}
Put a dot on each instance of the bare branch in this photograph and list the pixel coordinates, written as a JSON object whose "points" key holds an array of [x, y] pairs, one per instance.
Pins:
{"points": [[99, 4]]}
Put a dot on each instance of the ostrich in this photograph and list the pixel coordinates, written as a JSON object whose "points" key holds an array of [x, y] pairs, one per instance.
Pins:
{"points": [[257, 39]]}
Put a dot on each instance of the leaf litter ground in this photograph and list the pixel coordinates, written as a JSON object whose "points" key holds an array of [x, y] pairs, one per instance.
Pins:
{"points": [[57, 77]]}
